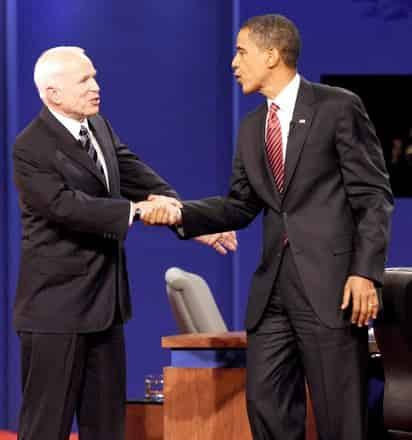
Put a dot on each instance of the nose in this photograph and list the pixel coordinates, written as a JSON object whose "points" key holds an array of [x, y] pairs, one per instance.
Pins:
{"points": [[94, 86]]}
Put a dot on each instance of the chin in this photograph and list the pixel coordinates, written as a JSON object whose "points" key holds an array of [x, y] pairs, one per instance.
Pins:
{"points": [[247, 90]]}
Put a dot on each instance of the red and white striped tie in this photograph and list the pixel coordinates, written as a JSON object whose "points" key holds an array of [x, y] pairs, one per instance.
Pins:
{"points": [[274, 148]]}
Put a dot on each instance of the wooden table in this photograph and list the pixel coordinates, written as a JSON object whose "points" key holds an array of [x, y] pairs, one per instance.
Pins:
{"points": [[205, 388], [144, 420]]}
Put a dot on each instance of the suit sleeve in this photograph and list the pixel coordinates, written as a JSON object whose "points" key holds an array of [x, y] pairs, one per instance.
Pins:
{"points": [[46, 193], [367, 186], [137, 180], [219, 214]]}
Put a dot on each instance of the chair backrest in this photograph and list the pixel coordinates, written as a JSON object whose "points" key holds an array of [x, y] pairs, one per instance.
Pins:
{"points": [[192, 303], [393, 331]]}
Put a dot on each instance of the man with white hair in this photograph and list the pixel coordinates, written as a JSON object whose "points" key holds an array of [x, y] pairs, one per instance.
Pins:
{"points": [[79, 190]]}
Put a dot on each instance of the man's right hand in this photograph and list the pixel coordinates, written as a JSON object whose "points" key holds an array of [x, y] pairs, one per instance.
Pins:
{"points": [[161, 210]]}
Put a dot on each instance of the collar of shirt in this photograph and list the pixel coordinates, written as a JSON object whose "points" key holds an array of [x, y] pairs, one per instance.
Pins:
{"points": [[71, 124], [287, 98], [286, 102]]}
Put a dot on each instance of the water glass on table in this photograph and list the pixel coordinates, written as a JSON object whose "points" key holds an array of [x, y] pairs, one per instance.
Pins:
{"points": [[153, 387]]}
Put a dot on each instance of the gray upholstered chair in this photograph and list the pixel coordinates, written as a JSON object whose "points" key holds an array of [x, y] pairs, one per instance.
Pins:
{"points": [[192, 303]]}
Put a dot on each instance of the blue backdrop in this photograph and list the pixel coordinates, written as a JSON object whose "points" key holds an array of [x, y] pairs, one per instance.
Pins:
{"points": [[164, 70]]}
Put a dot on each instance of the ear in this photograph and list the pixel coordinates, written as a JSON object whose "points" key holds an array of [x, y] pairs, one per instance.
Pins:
{"points": [[53, 95], [273, 58]]}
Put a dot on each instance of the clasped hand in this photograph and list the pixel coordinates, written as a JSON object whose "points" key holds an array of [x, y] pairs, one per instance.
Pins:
{"points": [[160, 210], [163, 210]]}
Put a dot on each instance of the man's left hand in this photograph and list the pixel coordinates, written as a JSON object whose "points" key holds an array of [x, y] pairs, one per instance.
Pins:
{"points": [[221, 242], [365, 303]]}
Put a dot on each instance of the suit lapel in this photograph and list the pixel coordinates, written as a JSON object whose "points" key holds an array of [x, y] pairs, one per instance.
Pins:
{"points": [[299, 130], [106, 144], [302, 120], [69, 145]]}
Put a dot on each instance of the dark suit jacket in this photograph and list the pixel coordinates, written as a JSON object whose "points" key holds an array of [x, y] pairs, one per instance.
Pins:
{"points": [[73, 265], [335, 208]]}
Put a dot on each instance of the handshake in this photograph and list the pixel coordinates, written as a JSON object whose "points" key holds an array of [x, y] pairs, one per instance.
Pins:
{"points": [[163, 210], [159, 210]]}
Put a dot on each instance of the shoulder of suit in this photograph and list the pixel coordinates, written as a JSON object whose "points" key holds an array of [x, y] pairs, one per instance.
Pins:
{"points": [[34, 126], [36, 144], [36, 132], [327, 92]]}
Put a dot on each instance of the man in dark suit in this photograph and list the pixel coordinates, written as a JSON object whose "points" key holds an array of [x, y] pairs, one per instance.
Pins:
{"points": [[308, 158], [79, 190]]}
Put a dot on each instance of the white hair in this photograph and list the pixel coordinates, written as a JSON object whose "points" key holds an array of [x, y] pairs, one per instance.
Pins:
{"points": [[49, 65]]}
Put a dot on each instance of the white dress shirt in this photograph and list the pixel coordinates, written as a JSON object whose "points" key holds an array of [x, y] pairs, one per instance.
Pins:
{"points": [[286, 101]]}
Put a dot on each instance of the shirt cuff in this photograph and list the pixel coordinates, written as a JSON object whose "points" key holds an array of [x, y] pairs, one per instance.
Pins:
{"points": [[131, 214]]}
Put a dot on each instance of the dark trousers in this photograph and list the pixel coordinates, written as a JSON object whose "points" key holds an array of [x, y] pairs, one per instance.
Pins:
{"points": [[68, 374], [290, 345]]}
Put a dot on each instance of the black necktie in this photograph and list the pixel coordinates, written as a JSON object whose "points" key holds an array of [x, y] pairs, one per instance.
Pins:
{"points": [[84, 138]]}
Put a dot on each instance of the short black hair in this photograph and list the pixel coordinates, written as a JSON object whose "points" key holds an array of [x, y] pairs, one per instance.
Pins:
{"points": [[276, 31]]}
